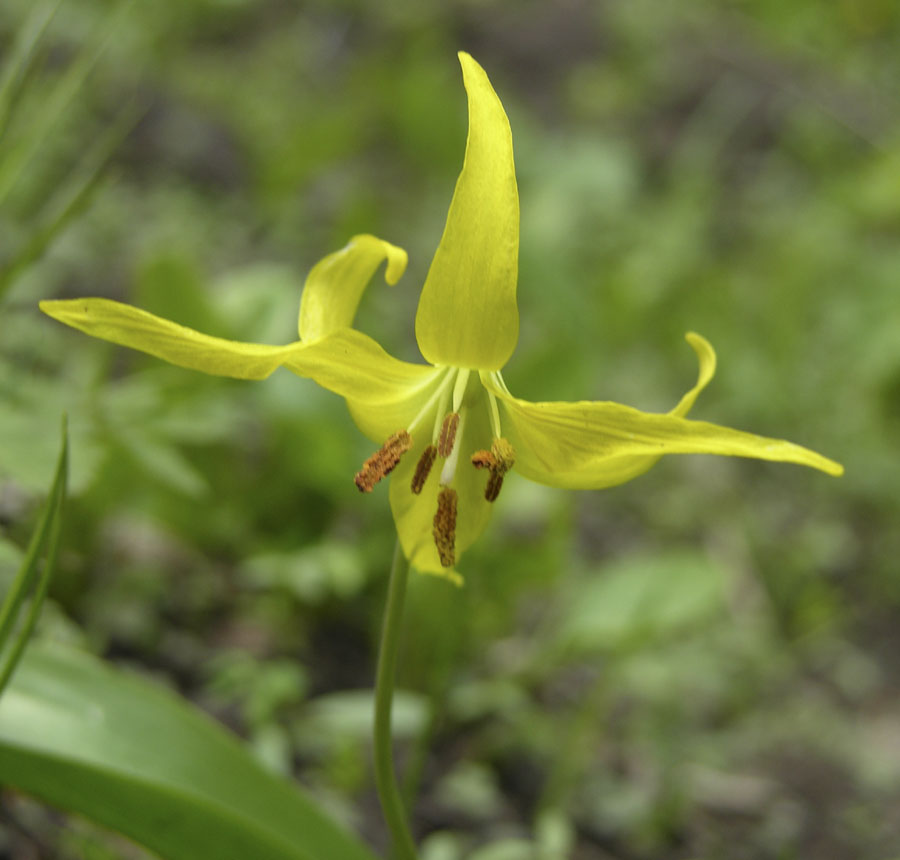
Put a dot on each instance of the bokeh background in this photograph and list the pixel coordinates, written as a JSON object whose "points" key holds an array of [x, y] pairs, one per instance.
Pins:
{"points": [[699, 664]]}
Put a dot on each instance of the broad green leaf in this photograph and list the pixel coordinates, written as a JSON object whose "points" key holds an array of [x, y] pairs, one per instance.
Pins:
{"points": [[641, 598], [91, 739]]}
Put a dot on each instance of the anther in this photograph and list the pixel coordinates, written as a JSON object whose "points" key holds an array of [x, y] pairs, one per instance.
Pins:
{"points": [[383, 461], [483, 460], [423, 469], [445, 527], [504, 454], [494, 485], [499, 460], [448, 434]]}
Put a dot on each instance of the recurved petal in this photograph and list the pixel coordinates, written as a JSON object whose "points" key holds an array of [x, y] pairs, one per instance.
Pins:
{"points": [[336, 284], [592, 445], [467, 314], [706, 361], [346, 361]]}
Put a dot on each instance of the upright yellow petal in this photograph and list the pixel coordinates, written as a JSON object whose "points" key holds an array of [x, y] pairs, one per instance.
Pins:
{"points": [[467, 314], [336, 283]]}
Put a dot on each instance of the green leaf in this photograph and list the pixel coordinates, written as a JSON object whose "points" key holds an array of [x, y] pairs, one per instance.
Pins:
{"points": [[72, 196], [92, 739], [644, 597], [32, 576], [43, 119], [22, 56]]}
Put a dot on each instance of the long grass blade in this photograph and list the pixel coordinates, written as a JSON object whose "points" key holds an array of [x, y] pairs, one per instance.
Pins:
{"points": [[71, 198], [54, 107], [22, 56], [33, 576]]}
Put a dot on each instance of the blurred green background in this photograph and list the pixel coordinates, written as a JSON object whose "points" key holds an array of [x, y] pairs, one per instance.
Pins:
{"points": [[698, 664]]}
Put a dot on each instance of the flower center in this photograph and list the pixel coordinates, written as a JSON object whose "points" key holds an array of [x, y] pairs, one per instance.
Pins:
{"points": [[448, 406]]}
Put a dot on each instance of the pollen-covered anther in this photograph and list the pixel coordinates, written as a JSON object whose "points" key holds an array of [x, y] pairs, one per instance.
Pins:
{"points": [[383, 461], [494, 485], [504, 455], [483, 460], [448, 434], [423, 469], [445, 527], [499, 460]]}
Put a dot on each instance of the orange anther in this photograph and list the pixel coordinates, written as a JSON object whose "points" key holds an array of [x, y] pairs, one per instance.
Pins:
{"points": [[499, 460], [423, 469], [448, 434], [445, 527], [383, 461]]}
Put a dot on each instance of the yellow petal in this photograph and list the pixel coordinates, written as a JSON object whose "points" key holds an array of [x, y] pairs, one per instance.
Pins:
{"points": [[346, 361], [706, 360], [335, 284], [592, 445], [396, 404], [467, 314], [414, 514]]}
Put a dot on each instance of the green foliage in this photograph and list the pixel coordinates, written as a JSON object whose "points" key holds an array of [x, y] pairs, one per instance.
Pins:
{"points": [[716, 640], [35, 203], [134, 758], [34, 574]]}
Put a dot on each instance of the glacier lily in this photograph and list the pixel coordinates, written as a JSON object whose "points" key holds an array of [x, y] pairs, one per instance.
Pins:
{"points": [[450, 429]]}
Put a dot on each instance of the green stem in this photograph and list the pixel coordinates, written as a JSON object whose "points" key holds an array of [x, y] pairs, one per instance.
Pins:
{"points": [[385, 777]]}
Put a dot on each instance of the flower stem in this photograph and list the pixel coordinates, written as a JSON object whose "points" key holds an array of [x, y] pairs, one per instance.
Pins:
{"points": [[385, 777]]}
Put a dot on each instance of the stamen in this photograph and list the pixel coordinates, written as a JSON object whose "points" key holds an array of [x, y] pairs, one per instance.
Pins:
{"points": [[504, 454], [500, 459], [494, 484], [443, 404], [383, 461], [483, 460], [495, 415], [441, 393], [448, 434], [459, 388], [423, 469], [449, 469], [445, 527]]}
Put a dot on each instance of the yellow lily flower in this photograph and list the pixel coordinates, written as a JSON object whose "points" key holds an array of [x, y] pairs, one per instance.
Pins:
{"points": [[451, 429]]}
